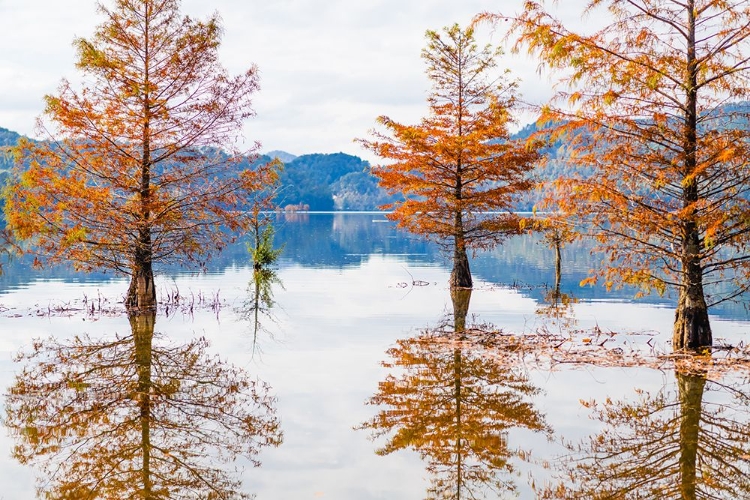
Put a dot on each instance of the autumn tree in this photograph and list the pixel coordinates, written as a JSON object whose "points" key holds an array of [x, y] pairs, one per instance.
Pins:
{"points": [[675, 444], [456, 408], [140, 165], [651, 102], [137, 416], [459, 162], [556, 230]]}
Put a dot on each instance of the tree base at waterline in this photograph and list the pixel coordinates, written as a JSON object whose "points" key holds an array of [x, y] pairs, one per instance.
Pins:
{"points": [[691, 326], [141, 293], [461, 273]]}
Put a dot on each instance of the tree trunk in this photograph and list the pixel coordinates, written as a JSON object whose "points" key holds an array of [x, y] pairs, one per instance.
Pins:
{"points": [[142, 326], [691, 326], [461, 273], [142, 292], [691, 396]]}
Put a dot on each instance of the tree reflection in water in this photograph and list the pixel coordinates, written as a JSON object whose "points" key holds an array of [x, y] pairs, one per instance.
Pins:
{"points": [[260, 301], [455, 408], [558, 309], [137, 417], [671, 445], [557, 306]]}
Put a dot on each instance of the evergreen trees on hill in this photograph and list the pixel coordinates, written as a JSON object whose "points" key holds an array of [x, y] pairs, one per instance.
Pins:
{"points": [[330, 182], [321, 181], [8, 139]]}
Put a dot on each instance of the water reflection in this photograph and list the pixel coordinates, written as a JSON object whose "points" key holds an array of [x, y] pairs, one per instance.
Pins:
{"points": [[137, 416], [258, 307], [686, 442], [456, 409], [337, 240], [557, 307], [345, 240]]}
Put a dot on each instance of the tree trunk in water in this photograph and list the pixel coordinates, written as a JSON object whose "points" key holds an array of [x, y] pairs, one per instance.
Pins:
{"points": [[461, 273], [690, 389], [692, 329], [142, 293], [142, 326], [691, 326]]}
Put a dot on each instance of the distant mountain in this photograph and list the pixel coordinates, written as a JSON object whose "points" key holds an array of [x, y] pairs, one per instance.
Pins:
{"points": [[280, 155], [339, 181], [8, 137], [319, 181], [560, 154], [335, 181]]}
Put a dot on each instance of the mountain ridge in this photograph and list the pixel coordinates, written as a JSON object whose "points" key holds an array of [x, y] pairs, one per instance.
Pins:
{"points": [[341, 181]]}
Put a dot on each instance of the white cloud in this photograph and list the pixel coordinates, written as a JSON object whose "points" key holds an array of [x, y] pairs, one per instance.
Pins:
{"points": [[328, 68]]}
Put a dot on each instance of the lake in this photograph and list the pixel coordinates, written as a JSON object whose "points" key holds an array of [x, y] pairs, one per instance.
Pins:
{"points": [[384, 384]]}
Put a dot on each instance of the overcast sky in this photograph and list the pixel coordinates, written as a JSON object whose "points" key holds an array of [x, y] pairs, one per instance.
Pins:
{"points": [[328, 67]]}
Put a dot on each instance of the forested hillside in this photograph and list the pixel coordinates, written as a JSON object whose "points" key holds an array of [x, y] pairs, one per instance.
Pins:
{"points": [[340, 181], [8, 138], [329, 182]]}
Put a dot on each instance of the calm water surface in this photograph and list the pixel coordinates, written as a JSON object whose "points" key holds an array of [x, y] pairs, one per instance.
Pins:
{"points": [[375, 397]]}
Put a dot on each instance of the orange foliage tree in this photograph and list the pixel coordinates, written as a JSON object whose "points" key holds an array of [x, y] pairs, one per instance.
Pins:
{"points": [[139, 166], [459, 162], [650, 102]]}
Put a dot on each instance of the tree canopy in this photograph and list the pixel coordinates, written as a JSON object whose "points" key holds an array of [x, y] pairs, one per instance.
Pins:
{"points": [[666, 179], [459, 161], [140, 165]]}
